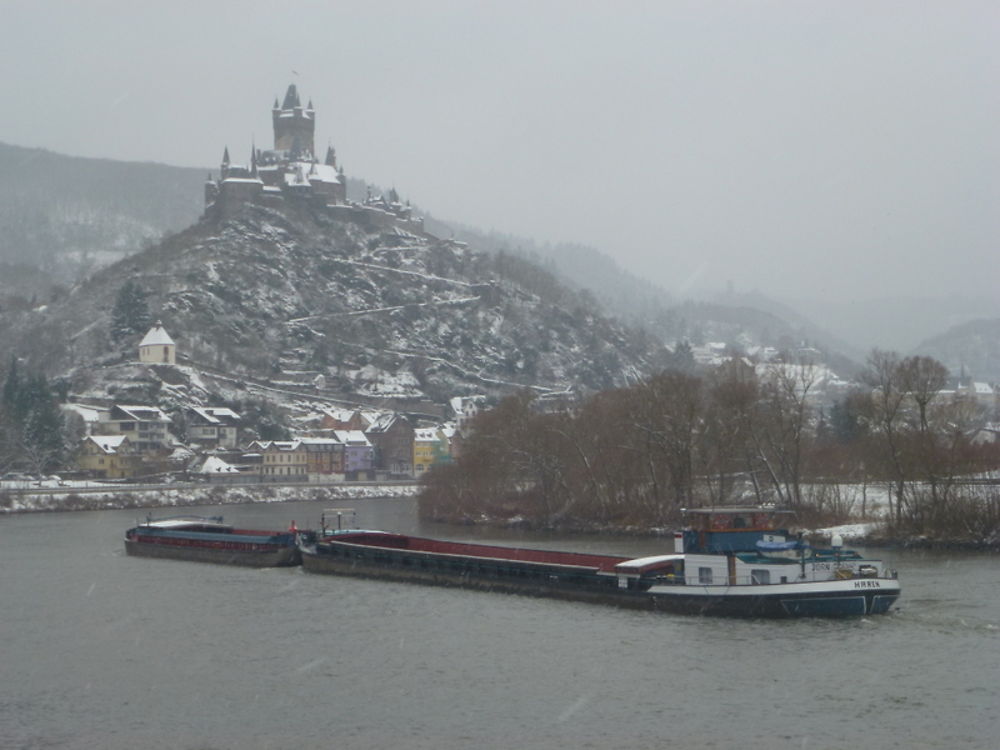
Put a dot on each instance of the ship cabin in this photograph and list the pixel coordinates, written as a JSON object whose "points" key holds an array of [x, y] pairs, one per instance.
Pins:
{"points": [[742, 547], [723, 531]]}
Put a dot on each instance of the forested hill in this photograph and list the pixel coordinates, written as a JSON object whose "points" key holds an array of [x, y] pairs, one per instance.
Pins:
{"points": [[294, 293], [972, 348], [67, 214]]}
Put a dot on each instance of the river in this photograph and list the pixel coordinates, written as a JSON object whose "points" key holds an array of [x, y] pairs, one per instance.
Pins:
{"points": [[100, 650]]}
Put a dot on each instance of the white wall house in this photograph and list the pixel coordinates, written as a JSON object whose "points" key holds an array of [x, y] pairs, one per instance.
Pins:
{"points": [[157, 347]]}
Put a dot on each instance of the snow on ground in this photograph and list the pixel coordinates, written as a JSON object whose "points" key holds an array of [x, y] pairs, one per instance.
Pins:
{"points": [[207, 495], [847, 531]]}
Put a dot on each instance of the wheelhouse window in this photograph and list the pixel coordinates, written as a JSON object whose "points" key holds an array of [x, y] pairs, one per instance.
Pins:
{"points": [[704, 575]]}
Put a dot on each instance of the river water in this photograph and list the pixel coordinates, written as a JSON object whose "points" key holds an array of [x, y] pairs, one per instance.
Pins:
{"points": [[100, 650]]}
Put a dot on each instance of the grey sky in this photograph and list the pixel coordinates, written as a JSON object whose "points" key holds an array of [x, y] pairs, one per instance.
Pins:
{"points": [[847, 147]]}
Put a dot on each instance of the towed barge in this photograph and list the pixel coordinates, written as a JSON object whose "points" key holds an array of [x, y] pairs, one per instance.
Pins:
{"points": [[210, 539], [728, 562]]}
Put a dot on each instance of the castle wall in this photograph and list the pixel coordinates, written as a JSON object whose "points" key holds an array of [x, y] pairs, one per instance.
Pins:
{"points": [[234, 193]]}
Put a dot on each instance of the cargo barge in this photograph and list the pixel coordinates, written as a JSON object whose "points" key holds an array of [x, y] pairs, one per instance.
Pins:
{"points": [[201, 539], [728, 562]]}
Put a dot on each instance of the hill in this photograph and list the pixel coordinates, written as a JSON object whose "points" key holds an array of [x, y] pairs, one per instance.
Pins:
{"points": [[63, 217], [67, 215], [972, 348], [295, 299]]}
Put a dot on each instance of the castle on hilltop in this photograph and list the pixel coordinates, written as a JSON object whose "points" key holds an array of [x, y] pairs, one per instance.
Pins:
{"points": [[291, 171]]}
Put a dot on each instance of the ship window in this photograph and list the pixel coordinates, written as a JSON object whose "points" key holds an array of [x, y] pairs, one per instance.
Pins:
{"points": [[760, 576], [704, 575]]}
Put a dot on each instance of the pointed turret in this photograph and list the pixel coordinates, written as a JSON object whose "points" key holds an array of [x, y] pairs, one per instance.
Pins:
{"points": [[253, 160], [225, 156], [331, 157]]}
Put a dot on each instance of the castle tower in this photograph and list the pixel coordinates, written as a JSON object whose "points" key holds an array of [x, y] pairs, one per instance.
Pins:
{"points": [[294, 127]]}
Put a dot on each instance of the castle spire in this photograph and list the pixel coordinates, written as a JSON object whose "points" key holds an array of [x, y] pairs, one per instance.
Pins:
{"points": [[225, 156], [291, 98], [253, 160], [331, 157]]}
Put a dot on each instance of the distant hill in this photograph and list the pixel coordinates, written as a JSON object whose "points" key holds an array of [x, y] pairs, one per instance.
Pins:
{"points": [[68, 215], [582, 267], [972, 348]]}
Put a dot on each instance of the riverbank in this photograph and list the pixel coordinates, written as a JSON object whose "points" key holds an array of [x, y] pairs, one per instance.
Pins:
{"points": [[187, 497]]}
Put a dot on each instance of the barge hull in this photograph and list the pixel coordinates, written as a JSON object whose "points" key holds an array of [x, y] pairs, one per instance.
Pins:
{"points": [[284, 556], [591, 586]]}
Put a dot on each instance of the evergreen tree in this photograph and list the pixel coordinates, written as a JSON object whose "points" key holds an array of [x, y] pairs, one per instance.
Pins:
{"points": [[33, 429], [11, 389], [131, 311], [42, 425], [683, 358]]}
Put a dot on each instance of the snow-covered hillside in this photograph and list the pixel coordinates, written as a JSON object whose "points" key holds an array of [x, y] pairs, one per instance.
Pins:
{"points": [[302, 300]]}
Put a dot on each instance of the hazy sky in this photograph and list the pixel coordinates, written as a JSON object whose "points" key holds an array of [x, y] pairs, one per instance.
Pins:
{"points": [[848, 148]]}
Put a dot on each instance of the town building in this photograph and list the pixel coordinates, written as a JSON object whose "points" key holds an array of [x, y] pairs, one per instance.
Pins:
{"points": [[430, 446], [282, 460], [324, 458], [108, 457], [359, 455], [145, 426], [392, 437], [213, 426]]}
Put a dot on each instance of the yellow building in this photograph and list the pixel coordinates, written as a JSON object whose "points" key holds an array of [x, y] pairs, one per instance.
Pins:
{"points": [[429, 447], [108, 456]]}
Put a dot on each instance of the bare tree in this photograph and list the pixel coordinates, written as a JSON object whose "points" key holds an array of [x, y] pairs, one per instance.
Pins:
{"points": [[883, 376]]}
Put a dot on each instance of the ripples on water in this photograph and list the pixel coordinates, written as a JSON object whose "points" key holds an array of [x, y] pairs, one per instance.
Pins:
{"points": [[106, 651]]}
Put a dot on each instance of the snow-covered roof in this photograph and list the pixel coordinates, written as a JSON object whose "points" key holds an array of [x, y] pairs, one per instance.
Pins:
{"points": [[383, 422], [352, 437], [318, 441], [341, 415], [313, 171], [142, 413], [216, 414], [108, 443], [282, 445], [157, 336], [426, 435], [215, 465]]}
